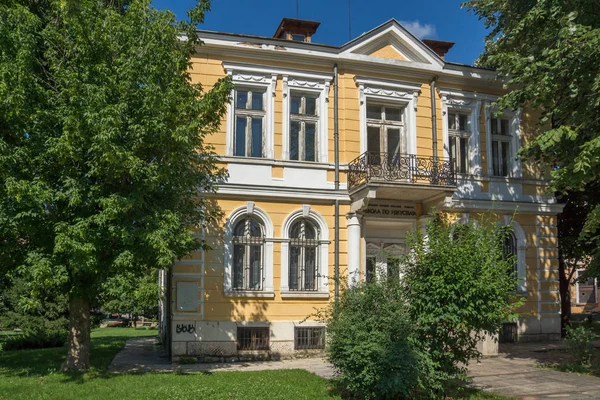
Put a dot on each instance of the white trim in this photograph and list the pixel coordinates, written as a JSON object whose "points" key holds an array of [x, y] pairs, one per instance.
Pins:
{"points": [[460, 101], [263, 79], [323, 248], [514, 117], [230, 222], [521, 252], [397, 92], [316, 84]]}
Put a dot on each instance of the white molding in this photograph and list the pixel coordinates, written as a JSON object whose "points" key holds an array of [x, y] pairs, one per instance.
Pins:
{"points": [[450, 204], [402, 93], [230, 222], [521, 252], [250, 293], [304, 295], [323, 247], [515, 143], [462, 101], [318, 84], [243, 77]]}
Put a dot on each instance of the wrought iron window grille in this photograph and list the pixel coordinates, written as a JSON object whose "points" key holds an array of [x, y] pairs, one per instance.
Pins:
{"points": [[253, 338], [306, 338]]}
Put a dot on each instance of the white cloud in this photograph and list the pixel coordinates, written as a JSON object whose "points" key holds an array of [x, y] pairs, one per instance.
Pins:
{"points": [[418, 29]]}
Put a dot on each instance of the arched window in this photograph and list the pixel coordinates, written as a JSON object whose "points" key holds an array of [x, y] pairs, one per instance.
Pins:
{"points": [[509, 251], [248, 255], [304, 257]]}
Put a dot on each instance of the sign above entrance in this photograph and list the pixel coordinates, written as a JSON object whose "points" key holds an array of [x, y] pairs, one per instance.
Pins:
{"points": [[394, 210]]}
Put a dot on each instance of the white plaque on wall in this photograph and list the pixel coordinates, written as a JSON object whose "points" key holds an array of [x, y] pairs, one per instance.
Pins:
{"points": [[187, 296]]}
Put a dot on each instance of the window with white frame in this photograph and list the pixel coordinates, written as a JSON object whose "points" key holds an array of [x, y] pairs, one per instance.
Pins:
{"points": [[305, 112], [249, 122], [304, 257], [501, 138], [587, 291], [459, 131], [386, 138], [304, 125], [248, 255], [514, 247]]}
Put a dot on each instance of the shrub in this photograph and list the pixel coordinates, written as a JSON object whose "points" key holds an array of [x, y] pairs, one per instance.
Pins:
{"points": [[458, 290], [368, 343], [35, 340], [580, 345]]}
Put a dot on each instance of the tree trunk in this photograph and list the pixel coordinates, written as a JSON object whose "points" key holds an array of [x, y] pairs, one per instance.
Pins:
{"points": [[78, 357], [564, 278]]}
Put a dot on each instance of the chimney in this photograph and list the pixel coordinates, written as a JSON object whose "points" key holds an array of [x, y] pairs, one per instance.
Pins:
{"points": [[439, 46], [299, 30]]}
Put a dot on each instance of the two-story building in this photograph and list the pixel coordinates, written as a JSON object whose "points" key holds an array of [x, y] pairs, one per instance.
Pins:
{"points": [[334, 154]]}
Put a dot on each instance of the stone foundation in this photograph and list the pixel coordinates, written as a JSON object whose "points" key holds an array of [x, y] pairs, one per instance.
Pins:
{"points": [[538, 329]]}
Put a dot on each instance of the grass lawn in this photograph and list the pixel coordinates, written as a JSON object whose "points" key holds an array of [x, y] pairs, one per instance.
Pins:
{"points": [[32, 374]]}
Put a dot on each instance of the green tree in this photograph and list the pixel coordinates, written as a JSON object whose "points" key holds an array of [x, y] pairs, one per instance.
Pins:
{"points": [[547, 52], [102, 146], [131, 294]]}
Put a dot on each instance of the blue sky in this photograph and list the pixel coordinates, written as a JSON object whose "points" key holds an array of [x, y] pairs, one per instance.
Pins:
{"points": [[432, 19]]}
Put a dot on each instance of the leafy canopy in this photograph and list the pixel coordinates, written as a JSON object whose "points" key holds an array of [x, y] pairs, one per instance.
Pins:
{"points": [[547, 51], [102, 140]]}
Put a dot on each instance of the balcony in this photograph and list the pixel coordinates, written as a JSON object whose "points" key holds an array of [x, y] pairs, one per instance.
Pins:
{"points": [[401, 176]]}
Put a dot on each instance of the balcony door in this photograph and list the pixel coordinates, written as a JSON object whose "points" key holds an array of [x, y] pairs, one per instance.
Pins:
{"points": [[386, 134]]}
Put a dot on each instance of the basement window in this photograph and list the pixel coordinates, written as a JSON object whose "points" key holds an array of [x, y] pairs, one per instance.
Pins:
{"points": [[253, 338], [307, 338]]}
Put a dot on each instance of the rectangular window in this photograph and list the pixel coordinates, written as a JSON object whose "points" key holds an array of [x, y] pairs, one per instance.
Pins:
{"points": [[386, 140], [249, 123], [501, 153], [304, 122], [309, 338], [253, 338], [459, 130]]}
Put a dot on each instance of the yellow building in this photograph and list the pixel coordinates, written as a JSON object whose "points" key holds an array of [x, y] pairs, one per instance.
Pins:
{"points": [[333, 154]]}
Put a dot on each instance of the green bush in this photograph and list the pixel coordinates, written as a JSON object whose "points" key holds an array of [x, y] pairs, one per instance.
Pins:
{"points": [[368, 343], [35, 340], [579, 344], [459, 288]]}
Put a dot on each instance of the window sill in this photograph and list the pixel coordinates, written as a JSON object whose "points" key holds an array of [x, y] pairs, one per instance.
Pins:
{"points": [[249, 293], [304, 295]]}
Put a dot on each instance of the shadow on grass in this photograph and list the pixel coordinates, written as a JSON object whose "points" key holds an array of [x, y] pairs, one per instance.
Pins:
{"points": [[42, 362]]}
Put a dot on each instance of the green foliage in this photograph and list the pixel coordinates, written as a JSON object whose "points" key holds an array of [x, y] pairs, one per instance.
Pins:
{"points": [[368, 342], [580, 345], [35, 340], [547, 51], [458, 289], [127, 293], [102, 141], [410, 337], [44, 311], [187, 360]]}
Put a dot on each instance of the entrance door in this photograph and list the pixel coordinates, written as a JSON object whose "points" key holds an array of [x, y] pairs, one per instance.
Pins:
{"points": [[383, 260]]}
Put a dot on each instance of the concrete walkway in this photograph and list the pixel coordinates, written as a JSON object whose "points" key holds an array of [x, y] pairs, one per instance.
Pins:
{"points": [[515, 372]]}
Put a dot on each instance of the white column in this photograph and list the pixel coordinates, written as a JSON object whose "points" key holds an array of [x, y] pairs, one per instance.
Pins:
{"points": [[353, 246]]}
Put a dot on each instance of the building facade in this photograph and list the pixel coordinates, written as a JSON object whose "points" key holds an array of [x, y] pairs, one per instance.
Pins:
{"points": [[334, 154]]}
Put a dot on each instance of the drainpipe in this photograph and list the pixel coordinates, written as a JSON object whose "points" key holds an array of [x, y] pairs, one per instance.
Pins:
{"points": [[336, 151], [433, 117]]}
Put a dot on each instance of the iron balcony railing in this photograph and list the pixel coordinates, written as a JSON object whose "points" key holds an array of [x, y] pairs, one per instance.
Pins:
{"points": [[407, 168]]}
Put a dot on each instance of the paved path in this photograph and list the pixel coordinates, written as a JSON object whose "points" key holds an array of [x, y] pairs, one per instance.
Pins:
{"points": [[512, 373], [516, 372]]}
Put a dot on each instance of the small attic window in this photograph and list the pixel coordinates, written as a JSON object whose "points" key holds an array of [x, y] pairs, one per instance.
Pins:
{"points": [[298, 38]]}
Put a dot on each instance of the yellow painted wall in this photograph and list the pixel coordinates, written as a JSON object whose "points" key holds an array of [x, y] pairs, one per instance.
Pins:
{"points": [[388, 51]]}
